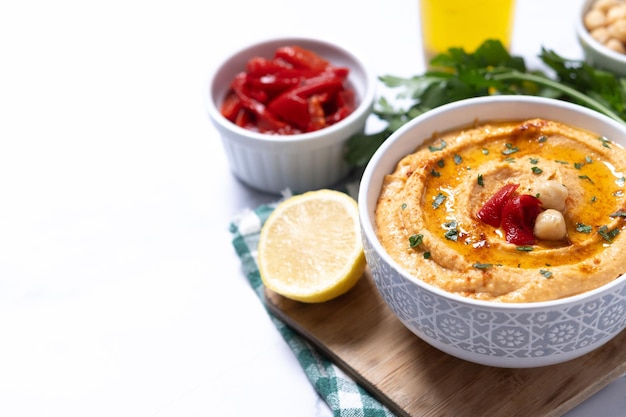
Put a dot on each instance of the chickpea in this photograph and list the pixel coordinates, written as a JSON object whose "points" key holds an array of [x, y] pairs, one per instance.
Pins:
{"points": [[594, 19], [616, 12], [615, 45], [550, 225], [552, 194], [601, 35], [617, 30], [604, 5]]}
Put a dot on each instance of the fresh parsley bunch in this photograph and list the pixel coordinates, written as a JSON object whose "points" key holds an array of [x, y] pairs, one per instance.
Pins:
{"points": [[490, 70]]}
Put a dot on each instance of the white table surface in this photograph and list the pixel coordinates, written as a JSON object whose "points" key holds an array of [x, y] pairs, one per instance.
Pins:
{"points": [[120, 292]]}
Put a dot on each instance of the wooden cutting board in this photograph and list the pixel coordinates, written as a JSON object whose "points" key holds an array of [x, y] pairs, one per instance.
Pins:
{"points": [[363, 337]]}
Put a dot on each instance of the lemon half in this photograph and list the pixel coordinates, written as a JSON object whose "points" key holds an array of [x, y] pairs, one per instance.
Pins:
{"points": [[310, 247]]}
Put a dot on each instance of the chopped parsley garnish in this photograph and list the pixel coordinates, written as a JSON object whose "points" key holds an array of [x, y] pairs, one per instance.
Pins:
{"points": [[439, 199], [441, 163], [435, 173], [450, 225], [457, 159], [479, 265], [524, 248], [452, 234], [542, 138], [510, 149], [427, 255], [442, 146], [586, 177], [536, 170], [605, 142], [485, 151], [533, 161], [480, 181], [607, 234], [416, 240], [619, 213], [545, 273], [583, 228], [403, 206]]}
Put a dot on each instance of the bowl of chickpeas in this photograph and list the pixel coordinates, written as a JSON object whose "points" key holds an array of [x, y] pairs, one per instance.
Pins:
{"points": [[601, 30]]}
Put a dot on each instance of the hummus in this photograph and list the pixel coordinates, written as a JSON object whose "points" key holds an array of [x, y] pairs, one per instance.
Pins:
{"points": [[426, 212]]}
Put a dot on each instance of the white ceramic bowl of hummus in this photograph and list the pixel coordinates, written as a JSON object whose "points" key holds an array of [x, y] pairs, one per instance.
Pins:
{"points": [[554, 315], [299, 162]]}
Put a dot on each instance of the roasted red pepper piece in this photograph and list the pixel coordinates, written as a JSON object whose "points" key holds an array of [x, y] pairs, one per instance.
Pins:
{"points": [[344, 105], [293, 105], [231, 106], [301, 57], [319, 86], [244, 119], [491, 211], [233, 110], [336, 72], [281, 80], [276, 75], [518, 218], [259, 66], [293, 109], [266, 121]]}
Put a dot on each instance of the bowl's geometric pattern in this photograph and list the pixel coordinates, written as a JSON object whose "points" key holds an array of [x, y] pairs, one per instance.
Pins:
{"points": [[518, 335]]}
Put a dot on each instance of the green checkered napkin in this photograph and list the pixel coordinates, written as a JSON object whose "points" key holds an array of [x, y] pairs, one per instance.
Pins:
{"points": [[343, 395]]}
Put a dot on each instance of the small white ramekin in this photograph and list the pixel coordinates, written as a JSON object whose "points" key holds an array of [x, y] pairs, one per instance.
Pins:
{"points": [[302, 162]]}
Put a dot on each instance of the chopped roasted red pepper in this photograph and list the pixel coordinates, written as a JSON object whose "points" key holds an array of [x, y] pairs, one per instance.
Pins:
{"points": [[293, 105], [281, 80], [518, 219], [265, 120], [301, 58], [243, 119], [259, 66], [316, 86], [515, 213], [491, 211], [231, 106], [343, 107], [294, 92], [293, 108], [275, 76]]}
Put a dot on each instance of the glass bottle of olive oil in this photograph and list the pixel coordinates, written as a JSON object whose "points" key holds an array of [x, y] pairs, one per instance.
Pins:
{"points": [[464, 23]]}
